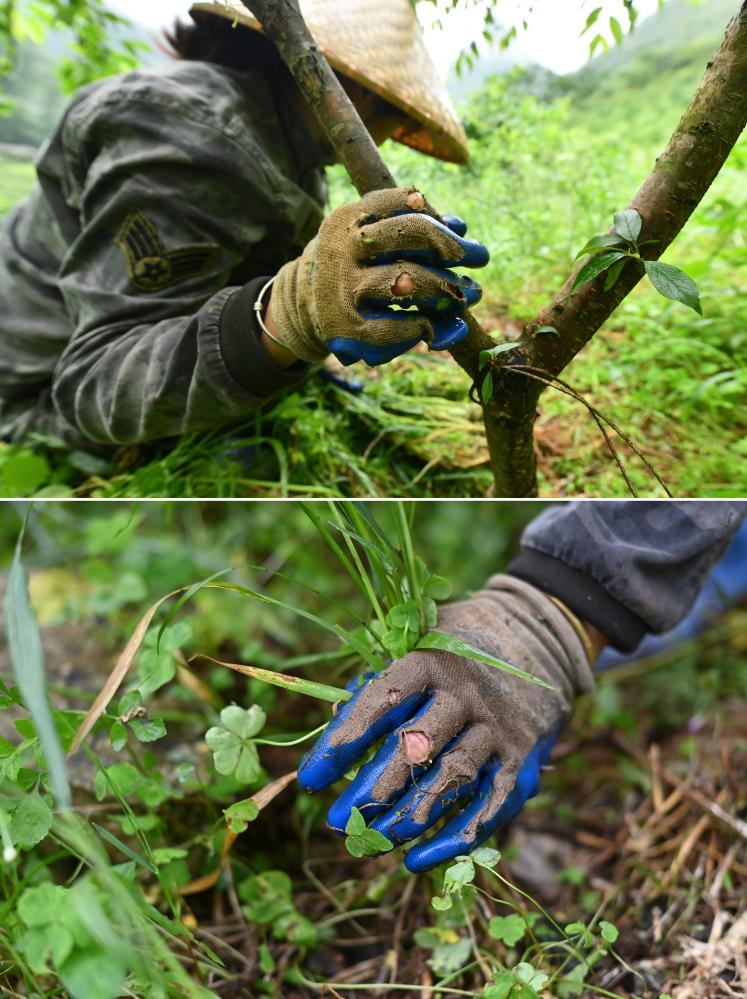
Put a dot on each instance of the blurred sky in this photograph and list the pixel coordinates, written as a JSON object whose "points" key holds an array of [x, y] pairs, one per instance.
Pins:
{"points": [[552, 39]]}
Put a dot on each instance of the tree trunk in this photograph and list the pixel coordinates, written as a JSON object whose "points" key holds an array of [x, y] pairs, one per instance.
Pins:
{"points": [[680, 179]]}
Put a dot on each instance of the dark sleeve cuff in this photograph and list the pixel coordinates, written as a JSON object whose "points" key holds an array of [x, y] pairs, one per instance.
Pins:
{"points": [[247, 361], [584, 596]]}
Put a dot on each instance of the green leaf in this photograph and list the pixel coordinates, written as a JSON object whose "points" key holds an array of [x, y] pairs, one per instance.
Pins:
{"points": [[596, 266], [596, 42], [501, 986], [628, 224], [510, 929], [613, 274], [617, 31], [459, 874], [356, 825], [129, 702], [245, 722], [31, 821], [122, 777], [118, 736], [573, 929], [486, 856], [43, 904], [673, 283], [438, 588], [240, 814], [486, 389], [165, 854], [42, 943], [592, 19], [23, 473], [148, 729], [450, 643], [607, 239], [233, 752], [486, 356], [441, 902], [364, 842], [93, 974], [547, 331], [609, 931], [267, 897], [266, 960]]}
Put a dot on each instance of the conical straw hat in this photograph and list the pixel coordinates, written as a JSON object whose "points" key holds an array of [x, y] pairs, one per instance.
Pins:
{"points": [[379, 45]]}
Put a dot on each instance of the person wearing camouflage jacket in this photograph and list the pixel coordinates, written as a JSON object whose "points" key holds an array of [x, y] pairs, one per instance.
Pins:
{"points": [[166, 200]]}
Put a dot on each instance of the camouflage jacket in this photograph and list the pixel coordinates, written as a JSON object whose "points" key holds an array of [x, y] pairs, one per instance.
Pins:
{"points": [[164, 198], [629, 568]]}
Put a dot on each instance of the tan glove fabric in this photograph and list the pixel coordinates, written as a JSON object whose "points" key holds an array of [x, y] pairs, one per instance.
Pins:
{"points": [[338, 287]]}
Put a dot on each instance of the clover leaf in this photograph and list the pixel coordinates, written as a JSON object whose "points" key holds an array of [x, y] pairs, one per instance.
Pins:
{"points": [[233, 751], [362, 841]]}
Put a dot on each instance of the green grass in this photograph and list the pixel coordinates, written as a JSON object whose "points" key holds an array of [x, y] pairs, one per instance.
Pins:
{"points": [[552, 160], [16, 181]]}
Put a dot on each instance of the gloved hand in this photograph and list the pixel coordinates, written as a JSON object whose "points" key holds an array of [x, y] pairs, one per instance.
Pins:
{"points": [[336, 296], [456, 729]]}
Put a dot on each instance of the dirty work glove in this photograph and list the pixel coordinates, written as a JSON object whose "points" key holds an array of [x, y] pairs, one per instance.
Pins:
{"points": [[461, 737], [336, 296]]}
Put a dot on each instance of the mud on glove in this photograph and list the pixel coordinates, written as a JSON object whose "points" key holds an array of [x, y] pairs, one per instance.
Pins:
{"points": [[459, 735], [337, 296]]}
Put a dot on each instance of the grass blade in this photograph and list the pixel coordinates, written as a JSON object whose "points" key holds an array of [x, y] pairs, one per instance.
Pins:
{"points": [[27, 658], [322, 691], [123, 848], [449, 643], [374, 661]]}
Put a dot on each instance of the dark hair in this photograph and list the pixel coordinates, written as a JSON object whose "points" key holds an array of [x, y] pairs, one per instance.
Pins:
{"points": [[211, 38]]}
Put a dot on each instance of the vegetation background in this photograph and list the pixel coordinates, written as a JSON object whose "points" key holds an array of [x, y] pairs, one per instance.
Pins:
{"points": [[618, 880], [552, 158]]}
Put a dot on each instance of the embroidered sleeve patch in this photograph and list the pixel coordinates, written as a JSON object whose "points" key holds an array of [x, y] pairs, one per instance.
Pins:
{"points": [[150, 265]]}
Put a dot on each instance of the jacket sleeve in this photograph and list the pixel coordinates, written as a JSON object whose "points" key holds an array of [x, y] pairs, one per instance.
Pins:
{"points": [[169, 206], [628, 568]]}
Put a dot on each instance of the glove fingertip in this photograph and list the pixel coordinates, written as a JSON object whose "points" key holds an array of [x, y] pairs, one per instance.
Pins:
{"points": [[456, 224], [448, 332]]}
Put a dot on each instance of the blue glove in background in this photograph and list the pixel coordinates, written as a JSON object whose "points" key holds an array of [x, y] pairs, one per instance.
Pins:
{"points": [[726, 585]]}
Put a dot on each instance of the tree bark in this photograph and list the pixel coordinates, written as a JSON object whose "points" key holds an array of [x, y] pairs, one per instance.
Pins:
{"points": [[680, 179]]}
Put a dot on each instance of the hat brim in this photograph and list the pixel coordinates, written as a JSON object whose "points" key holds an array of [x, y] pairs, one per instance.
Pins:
{"points": [[402, 72]]}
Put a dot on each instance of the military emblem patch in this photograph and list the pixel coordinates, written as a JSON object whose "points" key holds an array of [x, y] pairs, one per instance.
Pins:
{"points": [[150, 265]]}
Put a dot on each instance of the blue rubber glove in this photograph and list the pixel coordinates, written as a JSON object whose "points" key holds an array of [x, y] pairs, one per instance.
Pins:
{"points": [[724, 588], [460, 739], [377, 280]]}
